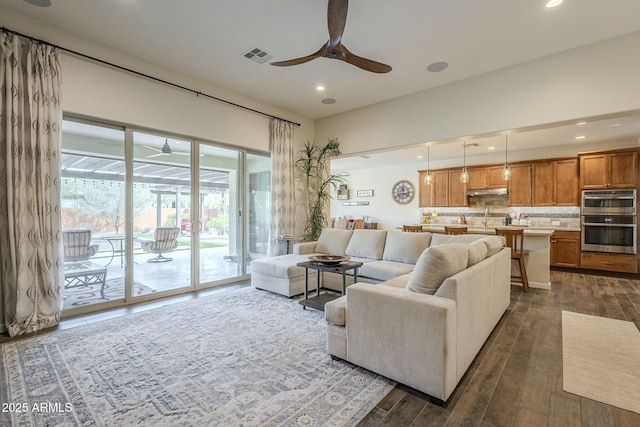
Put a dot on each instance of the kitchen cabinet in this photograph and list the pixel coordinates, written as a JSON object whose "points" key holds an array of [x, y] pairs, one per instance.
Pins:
{"points": [[457, 190], [436, 194], [609, 170], [520, 185], [555, 183], [440, 195], [565, 249], [486, 177], [425, 191], [610, 262]]}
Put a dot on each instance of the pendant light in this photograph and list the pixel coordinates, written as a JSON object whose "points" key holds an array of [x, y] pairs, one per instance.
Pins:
{"points": [[464, 175], [428, 179], [506, 172]]}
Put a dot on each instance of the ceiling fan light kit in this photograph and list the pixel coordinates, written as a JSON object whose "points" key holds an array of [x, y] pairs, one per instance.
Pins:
{"points": [[334, 49]]}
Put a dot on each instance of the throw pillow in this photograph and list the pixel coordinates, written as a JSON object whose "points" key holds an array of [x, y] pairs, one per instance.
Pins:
{"points": [[367, 244], [333, 241], [477, 253], [405, 247], [494, 244], [436, 264]]}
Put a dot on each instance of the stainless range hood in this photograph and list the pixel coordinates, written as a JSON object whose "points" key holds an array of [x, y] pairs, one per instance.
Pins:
{"points": [[488, 192]]}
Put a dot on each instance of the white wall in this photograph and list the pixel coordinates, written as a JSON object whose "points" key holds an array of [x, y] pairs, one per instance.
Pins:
{"points": [[589, 81]]}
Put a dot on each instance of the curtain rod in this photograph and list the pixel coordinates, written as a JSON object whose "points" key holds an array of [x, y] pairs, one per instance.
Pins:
{"points": [[147, 76]]}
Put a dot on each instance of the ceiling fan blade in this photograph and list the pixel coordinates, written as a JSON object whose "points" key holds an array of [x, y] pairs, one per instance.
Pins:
{"points": [[337, 18], [364, 63], [320, 53]]}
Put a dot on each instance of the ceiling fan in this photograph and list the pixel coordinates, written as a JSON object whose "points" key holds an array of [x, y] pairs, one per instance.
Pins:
{"points": [[334, 49], [165, 150]]}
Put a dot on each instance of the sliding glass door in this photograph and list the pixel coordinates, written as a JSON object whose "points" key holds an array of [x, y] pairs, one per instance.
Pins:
{"points": [[161, 206], [154, 213], [93, 214], [219, 224]]}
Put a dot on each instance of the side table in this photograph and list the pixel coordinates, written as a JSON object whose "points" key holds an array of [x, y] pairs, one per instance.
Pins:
{"points": [[319, 301]]}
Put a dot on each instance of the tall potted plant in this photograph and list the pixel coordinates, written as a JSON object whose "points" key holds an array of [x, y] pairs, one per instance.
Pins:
{"points": [[314, 162]]}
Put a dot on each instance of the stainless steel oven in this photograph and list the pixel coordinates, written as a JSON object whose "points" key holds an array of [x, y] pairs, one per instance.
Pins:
{"points": [[609, 202], [616, 234], [609, 221]]}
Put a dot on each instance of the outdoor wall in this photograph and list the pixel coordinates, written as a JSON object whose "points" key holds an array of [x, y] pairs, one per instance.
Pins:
{"points": [[598, 79]]}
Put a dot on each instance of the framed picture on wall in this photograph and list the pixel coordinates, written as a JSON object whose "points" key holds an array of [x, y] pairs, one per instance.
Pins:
{"points": [[364, 193]]}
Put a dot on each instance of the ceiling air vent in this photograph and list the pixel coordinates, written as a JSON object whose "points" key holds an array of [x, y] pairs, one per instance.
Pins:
{"points": [[258, 55]]}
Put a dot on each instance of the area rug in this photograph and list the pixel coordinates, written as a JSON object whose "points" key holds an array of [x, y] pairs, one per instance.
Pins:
{"points": [[113, 290], [601, 359], [242, 358]]}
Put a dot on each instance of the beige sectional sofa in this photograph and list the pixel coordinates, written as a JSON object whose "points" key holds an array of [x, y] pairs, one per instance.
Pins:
{"points": [[422, 308], [425, 328]]}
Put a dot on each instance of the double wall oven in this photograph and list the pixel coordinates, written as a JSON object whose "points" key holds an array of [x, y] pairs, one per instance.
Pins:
{"points": [[609, 221]]}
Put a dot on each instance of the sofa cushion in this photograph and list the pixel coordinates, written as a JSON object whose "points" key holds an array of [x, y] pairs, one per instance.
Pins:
{"points": [[435, 265], [443, 239], [384, 270], [283, 266], [335, 311], [367, 244], [494, 244], [405, 247], [333, 241], [477, 253]]}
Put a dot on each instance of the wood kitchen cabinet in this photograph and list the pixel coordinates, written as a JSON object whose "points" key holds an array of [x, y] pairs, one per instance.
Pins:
{"points": [[457, 190], [555, 183], [436, 194], [611, 262], [609, 170], [565, 249], [486, 177], [520, 185]]}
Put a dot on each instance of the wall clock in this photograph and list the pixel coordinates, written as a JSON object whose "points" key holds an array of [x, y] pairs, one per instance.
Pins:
{"points": [[403, 192]]}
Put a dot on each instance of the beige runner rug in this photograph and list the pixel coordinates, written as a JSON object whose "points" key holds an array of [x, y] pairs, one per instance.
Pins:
{"points": [[601, 359]]}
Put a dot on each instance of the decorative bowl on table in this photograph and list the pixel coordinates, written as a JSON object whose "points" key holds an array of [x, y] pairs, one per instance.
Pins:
{"points": [[329, 259]]}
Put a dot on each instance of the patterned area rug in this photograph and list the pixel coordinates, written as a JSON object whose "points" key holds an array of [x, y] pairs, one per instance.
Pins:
{"points": [[246, 357], [113, 290]]}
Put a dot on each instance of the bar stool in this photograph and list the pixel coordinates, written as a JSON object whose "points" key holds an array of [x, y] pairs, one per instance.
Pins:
{"points": [[455, 230], [515, 240], [412, 228]]}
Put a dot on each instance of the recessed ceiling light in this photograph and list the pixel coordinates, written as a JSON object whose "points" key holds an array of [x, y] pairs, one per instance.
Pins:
{"points": [[319, 88], [420, 157], [491, 148], [437, 67], [580, 137], [554, 3], [615, 125], [39, 3], [581, 123], [328, 101]]}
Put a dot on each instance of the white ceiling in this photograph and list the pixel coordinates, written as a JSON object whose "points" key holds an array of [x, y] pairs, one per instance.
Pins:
{"points": [[207, 39]]}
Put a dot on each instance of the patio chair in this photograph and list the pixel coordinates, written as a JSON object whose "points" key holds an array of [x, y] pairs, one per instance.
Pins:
{"points": [[77, 245], [166, 240]]}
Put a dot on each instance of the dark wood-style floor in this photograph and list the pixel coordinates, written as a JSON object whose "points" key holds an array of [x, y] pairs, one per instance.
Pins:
{"points": [[516, 379]]}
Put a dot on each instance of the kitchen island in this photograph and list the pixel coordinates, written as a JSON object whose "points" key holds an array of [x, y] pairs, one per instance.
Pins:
{"points": [[536, 241]]}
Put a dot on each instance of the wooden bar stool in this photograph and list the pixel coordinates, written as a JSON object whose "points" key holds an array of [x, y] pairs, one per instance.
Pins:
{"points": [[515, 240], [455, 230], [412, 228]]}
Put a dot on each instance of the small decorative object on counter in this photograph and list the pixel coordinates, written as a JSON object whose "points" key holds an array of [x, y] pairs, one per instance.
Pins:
{"points": [[463, 220]]}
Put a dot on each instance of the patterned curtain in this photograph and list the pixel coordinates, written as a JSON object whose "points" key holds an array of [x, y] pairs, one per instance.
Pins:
{"points": [[30, 118], [283, 203]]}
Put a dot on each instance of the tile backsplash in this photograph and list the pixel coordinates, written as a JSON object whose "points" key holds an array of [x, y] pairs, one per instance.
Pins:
{"points": [[535, 216]]}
